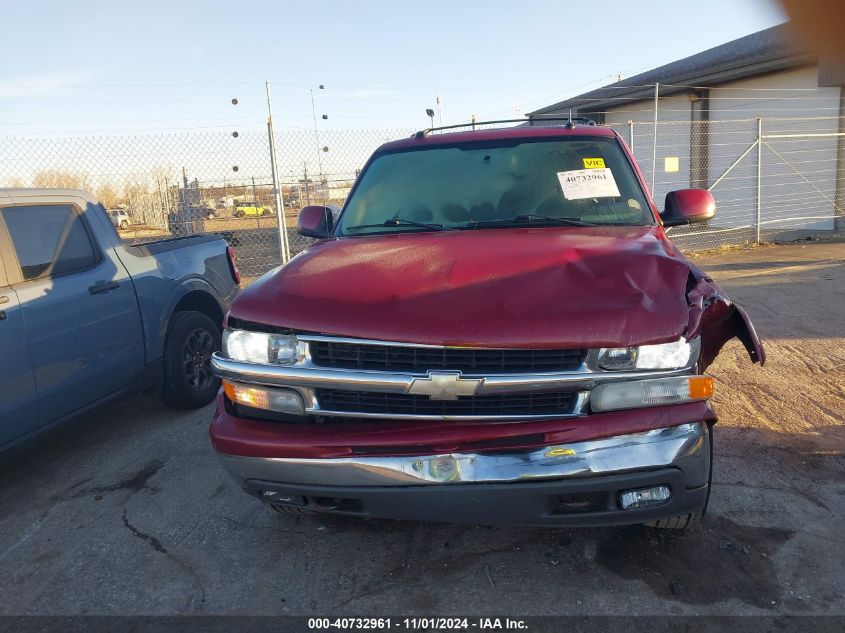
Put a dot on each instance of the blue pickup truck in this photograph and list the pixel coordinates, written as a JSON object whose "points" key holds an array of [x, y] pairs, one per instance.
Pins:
{"points": [[85, 318]]}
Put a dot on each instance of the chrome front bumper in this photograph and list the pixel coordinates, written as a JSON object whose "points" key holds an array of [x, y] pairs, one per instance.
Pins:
{"points": [[684, 447]]}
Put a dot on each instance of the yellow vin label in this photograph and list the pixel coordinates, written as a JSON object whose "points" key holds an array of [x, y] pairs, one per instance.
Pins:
{"points": [[593, 163]]}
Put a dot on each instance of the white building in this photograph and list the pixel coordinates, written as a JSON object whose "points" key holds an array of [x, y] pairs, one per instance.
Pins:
{"points": [[709, 108]]}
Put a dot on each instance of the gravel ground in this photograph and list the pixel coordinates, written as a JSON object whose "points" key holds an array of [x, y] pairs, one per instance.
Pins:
{"points": [[128, 512]]}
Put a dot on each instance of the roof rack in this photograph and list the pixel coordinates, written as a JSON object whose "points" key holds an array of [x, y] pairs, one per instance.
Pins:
{"points": [[569, 122]]}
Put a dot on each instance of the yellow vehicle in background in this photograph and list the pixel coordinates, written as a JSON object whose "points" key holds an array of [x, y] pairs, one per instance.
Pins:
{"points": [[243, 209]]}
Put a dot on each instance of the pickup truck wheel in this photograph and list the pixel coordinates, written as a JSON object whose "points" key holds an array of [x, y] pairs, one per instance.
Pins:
{"points": [[188, 382], [240, 214], [124, 225]]}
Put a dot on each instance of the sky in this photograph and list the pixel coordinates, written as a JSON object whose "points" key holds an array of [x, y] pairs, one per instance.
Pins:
{"points": [[119, 67]]}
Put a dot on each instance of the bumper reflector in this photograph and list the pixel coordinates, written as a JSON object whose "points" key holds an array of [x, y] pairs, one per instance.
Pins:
{"points": [[279, 400], [650, 393], [645, 497]]}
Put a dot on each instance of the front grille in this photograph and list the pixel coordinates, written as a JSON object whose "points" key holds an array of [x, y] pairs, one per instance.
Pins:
{"points": [[340, 400], [422, 359]]}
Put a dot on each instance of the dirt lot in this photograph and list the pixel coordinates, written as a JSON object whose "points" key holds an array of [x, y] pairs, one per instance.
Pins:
{"points": [[128, 512]]}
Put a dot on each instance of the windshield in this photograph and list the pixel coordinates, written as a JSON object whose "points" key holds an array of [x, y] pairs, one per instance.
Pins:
{"points": [[574, 181]]}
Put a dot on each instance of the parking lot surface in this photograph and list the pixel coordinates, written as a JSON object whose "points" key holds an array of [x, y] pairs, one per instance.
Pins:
{"points": [[128, 512]]}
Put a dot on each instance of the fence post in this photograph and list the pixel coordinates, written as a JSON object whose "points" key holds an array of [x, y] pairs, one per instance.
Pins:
{"points": [[654, 140], [284, 249], [631, 134], [839, 196], [759, 172]]}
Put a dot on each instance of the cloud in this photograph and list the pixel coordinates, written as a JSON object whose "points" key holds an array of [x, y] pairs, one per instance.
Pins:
{"points": [[41, 84]]}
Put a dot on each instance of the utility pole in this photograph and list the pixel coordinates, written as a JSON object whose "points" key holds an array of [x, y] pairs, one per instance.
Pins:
{"points": [[439, 110], [277, 192], [305, 182]]}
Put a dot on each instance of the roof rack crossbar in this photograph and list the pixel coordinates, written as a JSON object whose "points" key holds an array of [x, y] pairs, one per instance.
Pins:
{"points": [[569, 120]]}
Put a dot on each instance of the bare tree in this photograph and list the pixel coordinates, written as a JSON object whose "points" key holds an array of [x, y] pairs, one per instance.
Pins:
{"points": [[107, 194], [60, 178], [15, 183]]}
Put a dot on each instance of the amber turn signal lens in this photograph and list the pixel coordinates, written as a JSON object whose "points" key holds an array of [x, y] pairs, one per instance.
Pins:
{"points": [[700, 387], [268, 398]]}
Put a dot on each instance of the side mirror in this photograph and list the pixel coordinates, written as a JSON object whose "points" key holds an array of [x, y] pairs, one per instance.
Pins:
{"points": [[687, 206], [315, 221]]}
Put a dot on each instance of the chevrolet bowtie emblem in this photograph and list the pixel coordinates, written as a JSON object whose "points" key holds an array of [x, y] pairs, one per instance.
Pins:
{"points": [[442, 385]]}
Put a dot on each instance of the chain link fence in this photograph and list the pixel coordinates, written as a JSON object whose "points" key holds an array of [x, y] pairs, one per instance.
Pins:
{"points": [[769, 177], [772, 178], [161, 186]]}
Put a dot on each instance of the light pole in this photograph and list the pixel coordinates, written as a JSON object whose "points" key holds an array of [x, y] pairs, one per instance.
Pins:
{"points": [[284, 246], [316, 134], [430, 114]]}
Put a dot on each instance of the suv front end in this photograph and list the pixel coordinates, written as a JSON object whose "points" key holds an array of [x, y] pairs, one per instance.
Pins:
{"points": [[495, 436], [495, 329]]}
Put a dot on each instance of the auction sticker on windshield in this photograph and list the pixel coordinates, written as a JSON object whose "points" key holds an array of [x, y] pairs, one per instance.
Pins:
{"points": [[579, 184]]}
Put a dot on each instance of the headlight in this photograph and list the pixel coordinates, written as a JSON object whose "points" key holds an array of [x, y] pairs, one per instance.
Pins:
{"points": [[675, 355], [262, 347]]}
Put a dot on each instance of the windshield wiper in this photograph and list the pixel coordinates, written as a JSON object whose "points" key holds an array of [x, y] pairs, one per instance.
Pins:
{"points": [[395, 221], [528, 218]]}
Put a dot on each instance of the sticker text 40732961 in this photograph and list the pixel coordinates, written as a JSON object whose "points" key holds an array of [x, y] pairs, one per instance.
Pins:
{"points": [[579, 184]]}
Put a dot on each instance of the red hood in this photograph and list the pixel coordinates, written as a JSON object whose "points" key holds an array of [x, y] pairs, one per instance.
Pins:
{"points": [[525, 288]]}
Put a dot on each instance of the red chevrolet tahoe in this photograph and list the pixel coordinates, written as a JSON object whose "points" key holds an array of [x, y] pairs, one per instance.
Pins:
{"points": [[495, 329]]}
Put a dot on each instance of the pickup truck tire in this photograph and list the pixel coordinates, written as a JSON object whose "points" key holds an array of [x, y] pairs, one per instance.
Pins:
{"points": [[124, 225], [240, 214], [188, 382]]}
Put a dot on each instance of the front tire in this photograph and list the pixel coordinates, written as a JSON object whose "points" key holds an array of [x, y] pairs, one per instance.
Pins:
{"points": [[191, 339], [240, 214], [124, 225], [679, 523], [686, 521], [283, 509]]}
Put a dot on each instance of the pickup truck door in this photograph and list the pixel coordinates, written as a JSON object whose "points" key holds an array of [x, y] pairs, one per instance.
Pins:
{"points": [[17, 382], [78, 303]]}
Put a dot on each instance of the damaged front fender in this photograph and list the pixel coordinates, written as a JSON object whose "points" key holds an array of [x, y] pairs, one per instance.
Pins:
{"points": [[714, 318]]}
